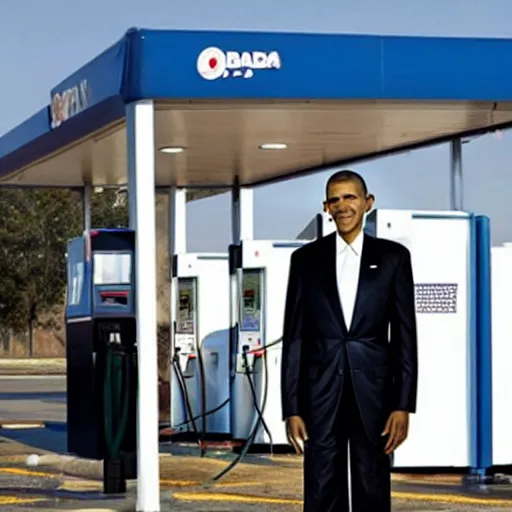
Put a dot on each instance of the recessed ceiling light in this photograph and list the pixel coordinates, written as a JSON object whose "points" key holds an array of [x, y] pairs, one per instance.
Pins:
{"points": [[172, 149], [274, 145]]}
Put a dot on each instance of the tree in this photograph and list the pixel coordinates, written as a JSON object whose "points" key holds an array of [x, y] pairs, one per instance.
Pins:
{"points": [[109, 208], [35, 225]]}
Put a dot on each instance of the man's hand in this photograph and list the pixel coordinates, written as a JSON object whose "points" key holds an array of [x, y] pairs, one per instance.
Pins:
{"points": [[296, 431], [397, 428]]}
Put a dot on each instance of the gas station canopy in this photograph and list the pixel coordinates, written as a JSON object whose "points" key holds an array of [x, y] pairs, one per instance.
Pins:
{"points": [[318, 100], [222, 109]]}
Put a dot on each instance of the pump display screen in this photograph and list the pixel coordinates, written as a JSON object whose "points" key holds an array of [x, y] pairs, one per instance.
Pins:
{"points": [[185, 313], [251, 300], [112, 268]]}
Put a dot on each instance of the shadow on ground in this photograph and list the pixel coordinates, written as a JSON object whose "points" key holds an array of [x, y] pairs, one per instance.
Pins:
{"points": [[51, 438]]}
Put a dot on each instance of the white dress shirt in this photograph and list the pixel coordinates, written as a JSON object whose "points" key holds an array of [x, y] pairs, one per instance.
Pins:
{"points": [[348, 263]]}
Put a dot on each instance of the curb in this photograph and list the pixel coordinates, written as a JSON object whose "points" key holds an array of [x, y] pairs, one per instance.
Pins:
{"points": [[68, 465]]}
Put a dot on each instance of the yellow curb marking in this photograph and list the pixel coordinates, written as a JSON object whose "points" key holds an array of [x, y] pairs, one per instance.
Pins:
{"points": [[190, 496], [192, 483], [13, 500], [179, 483], [26, 472], [452, 498], [404, 496]]}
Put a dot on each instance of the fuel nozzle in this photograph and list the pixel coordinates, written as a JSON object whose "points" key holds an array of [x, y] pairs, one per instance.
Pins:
{"points": [[115, 338], [245, 358], [175, 357]]}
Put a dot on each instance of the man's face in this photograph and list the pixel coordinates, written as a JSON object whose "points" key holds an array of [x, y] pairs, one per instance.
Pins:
{"points": [[347, 204]]}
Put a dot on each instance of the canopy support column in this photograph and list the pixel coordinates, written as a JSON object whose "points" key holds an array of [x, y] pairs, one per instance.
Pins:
{"points": [[242, 213], [177, 245], [86, 196], [242, 226], [141, 187], [456, 179], [177, 221]]}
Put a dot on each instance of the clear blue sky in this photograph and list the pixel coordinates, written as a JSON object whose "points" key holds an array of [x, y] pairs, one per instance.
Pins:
{"points": [[43, 41]]}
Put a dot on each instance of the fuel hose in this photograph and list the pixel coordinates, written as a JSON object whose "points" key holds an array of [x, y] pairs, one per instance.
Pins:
{"points": [[259, 410], [116, 398], [191, 421], [203, 399], [183, 388], [259, 417]]}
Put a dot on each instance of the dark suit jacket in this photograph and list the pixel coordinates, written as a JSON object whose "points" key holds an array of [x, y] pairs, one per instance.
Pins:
{"points": [[379, 350]]}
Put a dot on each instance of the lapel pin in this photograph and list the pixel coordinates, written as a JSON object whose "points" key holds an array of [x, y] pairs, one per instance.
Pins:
{"points": [[373, 266]]}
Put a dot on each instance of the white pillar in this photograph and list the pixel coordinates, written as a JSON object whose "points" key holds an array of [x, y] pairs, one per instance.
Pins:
{"points": [[177, 221], [141, 196], [242, 225], [87, 193], [456, 180], [177, 245], [242, 214]]}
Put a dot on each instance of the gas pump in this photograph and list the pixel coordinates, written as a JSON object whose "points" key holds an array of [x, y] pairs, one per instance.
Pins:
{"points": [[200, 351], [101, 352], [321, 225], [260, 272], [446, 294]]}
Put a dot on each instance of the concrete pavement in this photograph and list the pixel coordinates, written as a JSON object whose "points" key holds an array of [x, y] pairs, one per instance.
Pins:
{"points": [[260, 483], [22, 488], [60, 482]]}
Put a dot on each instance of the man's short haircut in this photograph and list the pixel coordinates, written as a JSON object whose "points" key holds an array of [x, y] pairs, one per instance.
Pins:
{"points": [[345, 175]]}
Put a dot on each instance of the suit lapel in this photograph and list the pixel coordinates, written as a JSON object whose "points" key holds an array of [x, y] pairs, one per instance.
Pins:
{"points": [[331, 282], [367, 272]]}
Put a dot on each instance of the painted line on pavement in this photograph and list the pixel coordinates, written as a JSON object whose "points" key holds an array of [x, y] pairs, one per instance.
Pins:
{"points": [[179, 483], [27, 472], [452, 498], [233, 498], [57, 376], [196, 483], [14, 500], [402, 496], [22, 425], [205, 496]]}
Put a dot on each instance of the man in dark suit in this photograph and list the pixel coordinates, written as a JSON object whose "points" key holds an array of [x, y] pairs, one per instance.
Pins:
{"points": [[349, 366]]}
